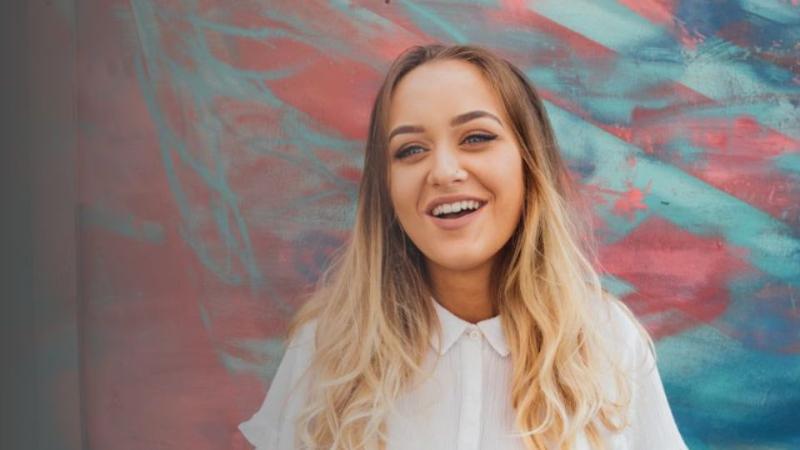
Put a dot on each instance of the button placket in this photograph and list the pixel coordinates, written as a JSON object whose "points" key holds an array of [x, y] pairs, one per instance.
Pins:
{"points": [[472, 375]]}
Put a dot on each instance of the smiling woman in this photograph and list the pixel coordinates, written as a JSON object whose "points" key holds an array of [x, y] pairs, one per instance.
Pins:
{"points": [[462, 313], [452, 157]]}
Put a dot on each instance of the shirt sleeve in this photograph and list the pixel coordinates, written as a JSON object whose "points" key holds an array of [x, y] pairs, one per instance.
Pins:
{"points": [[272, 426], [652, 426]]}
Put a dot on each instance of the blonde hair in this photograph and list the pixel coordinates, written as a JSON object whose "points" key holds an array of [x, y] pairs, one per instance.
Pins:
{"points": [[373, 312]]}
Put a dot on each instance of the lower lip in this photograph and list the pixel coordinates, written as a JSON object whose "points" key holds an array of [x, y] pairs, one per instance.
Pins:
{"points": [[459, 222]]}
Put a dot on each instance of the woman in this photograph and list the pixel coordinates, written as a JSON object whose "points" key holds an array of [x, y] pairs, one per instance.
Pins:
{"points": [[462, 314]]}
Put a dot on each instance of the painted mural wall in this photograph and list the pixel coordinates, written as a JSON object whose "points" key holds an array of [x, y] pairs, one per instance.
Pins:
{"points": [[220, 146]]}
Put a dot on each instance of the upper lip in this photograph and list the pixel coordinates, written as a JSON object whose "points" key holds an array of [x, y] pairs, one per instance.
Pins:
{"points": [[450, 199]]}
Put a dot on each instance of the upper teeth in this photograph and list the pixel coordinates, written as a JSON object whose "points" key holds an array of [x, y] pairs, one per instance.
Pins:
{"points": [[455, 207]]}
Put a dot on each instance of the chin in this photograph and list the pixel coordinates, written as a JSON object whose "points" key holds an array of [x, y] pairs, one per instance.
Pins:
{"points": [[459, 261]]}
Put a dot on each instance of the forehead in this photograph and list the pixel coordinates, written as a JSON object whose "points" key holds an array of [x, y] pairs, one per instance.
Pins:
{"points": [[437, 91]]}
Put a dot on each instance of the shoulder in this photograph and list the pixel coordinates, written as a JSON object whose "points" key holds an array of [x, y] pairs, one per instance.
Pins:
{"points": [[303, 337], [610, 311], [650, 421], [622, 333], [272, 424], [300, 346]]}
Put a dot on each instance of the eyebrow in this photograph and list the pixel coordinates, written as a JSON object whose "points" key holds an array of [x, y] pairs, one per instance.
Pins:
{"points": [[457, 120]]}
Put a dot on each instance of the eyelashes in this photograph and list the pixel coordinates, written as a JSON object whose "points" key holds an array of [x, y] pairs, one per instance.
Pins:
{"points": [[405, 152], [482, 137], [472, 139]]}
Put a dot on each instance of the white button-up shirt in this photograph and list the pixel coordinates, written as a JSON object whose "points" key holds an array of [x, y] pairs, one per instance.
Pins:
{"points": [[465, 403]]}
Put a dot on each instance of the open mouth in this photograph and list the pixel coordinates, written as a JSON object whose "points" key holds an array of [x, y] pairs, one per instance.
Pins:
{"points": [[456, 215], [457, 209]]}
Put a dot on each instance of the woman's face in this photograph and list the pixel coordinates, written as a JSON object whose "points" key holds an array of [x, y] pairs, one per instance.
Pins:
{"points": [[455, 169]]}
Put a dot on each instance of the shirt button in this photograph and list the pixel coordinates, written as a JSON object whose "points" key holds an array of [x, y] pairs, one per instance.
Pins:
{"points": [[474, 333]]}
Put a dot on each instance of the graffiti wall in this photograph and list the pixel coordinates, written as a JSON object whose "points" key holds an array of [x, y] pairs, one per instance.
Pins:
{"points": [[220, 146]]}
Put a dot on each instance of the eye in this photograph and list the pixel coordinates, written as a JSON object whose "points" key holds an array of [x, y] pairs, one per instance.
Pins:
{"points": [[408, 151], [477, 138]]}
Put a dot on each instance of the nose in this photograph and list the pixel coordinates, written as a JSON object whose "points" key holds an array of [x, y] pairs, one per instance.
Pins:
{"points": [[446, 168]]}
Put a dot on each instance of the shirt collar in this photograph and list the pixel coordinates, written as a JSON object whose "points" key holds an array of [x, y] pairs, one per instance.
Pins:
{"points": [[453, 327]]}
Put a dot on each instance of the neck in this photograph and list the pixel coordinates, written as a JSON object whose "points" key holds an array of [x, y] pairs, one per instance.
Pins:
{"points": [[465, 293]]}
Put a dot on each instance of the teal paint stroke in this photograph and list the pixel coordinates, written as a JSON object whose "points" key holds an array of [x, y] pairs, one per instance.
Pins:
{"points": [[209, 80], [122, 224], [704, 367], [616, 286], [789, 163], [149, 74], [368, 24], [785, 13], [261, 357], [705, 69], [622, 30], [434, 23], [678, 197], [759, 318]]}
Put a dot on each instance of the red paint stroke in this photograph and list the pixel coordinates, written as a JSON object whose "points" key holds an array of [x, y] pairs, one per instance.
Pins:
{"points": [[674, 270], [729, 162], [689, 39], [596, 195], [740, 33], [350, 173], [676, 97], [661, 12], [515, 13], [402, 31], [745, 134], [248, 118], [243, 16], [178, 110], [736, 156], [664, 14], [120, 124], [631, 201], [333, 91], [320, 84], [173, 39], [679, 98], [152, 368], [642, 130], [244, 53], [380, 40], [743, 34], [627, 202]]}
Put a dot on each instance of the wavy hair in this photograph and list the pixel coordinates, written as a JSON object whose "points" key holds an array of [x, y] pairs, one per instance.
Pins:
{"points": [[373, 311]]}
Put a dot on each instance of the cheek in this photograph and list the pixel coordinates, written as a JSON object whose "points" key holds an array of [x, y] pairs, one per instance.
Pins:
{"points": [[402, 193], [507, 180]]}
